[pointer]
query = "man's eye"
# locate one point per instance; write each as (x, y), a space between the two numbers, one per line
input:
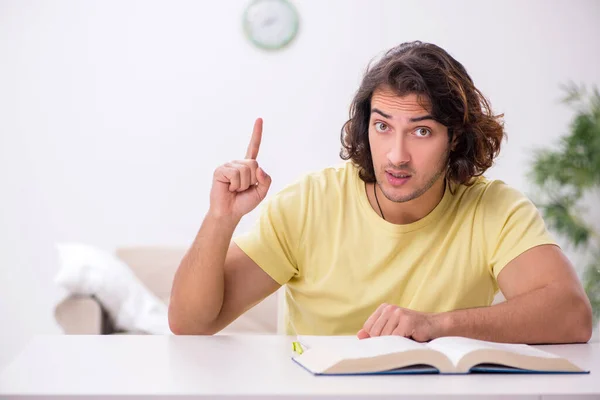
(380, 126)
(423, 132)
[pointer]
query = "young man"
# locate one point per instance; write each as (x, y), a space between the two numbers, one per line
(407, 238)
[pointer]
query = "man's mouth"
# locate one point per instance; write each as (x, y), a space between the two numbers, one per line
(397, 178)
(398, 174)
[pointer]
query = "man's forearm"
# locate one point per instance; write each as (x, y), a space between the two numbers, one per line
(546, 315)
(198, 286)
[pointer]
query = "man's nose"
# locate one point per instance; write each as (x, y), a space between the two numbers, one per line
(399, 153)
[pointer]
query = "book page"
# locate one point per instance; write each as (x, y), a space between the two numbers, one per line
(457, 347)
(308, 341)
(352, 347)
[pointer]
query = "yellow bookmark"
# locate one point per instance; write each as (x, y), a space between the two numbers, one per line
(297, 347)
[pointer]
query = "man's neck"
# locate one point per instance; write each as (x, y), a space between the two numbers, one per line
(410, 211)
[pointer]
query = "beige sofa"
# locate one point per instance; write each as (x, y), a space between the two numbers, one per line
(155, 267)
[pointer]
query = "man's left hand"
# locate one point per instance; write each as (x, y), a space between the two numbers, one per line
(389, 319)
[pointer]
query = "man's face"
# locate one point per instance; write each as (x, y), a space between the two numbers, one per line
(409, 149)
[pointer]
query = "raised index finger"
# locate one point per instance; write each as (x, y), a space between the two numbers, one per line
(254, 145)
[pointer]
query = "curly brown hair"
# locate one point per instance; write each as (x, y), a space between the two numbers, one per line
(444, 87)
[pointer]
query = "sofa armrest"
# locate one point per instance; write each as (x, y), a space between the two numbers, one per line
(79, 315)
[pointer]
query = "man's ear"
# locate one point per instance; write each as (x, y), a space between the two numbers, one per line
(453, 140)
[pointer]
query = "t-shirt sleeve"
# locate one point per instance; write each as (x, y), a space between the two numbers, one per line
(512, 225)
(274, 240)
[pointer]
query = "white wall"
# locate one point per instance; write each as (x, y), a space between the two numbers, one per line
(114, 114)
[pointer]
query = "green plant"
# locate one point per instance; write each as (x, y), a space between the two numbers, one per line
(564, 175)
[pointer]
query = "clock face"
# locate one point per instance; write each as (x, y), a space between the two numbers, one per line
(271, 24)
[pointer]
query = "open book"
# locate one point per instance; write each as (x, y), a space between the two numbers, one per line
(341, 355)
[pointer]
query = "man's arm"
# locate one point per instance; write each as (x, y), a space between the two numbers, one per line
(545, 303)
(215, 283)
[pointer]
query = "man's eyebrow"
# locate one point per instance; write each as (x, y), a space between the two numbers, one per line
(423, 118)
(378, 111)
(416, 119)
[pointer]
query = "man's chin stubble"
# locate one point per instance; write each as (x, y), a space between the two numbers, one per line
(403, 199)
(415, 194)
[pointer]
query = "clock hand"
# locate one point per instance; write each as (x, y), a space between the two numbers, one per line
(268, 21)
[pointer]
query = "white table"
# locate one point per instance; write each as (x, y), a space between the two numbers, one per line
(249, 367)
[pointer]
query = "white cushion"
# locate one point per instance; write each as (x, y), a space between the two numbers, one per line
(85, 270)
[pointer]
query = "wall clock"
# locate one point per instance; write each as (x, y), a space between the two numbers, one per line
(271, 24)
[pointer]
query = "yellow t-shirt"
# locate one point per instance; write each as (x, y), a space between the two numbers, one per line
(340, 260)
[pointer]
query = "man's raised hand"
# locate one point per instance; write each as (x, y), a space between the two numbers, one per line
(240, 185)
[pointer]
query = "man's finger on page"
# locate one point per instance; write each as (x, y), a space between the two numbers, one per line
(362, 334)
(254, 145)
(379, 325)
(374, 317)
